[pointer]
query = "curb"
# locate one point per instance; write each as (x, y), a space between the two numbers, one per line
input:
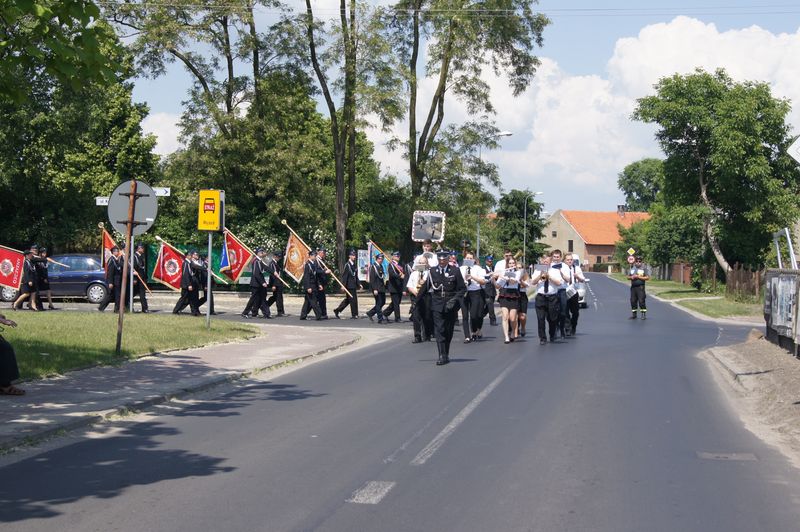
(10, 444)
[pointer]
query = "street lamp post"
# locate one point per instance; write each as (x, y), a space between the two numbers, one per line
(478, 233)
(525, 226)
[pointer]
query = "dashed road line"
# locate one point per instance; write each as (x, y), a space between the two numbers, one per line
(372, 492)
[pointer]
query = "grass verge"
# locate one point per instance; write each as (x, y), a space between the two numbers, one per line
(51, 343)
(721, 308)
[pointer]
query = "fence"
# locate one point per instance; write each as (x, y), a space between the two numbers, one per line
(741, 282)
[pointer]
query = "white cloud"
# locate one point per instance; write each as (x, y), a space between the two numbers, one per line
(165, 127)
(573, 134)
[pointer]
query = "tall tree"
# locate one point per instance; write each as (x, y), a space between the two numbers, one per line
(726, 144)
(641, 182)
(512, 223)
(460, 40)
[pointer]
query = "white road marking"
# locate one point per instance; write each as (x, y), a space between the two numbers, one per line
(372, 492)
(425, 454)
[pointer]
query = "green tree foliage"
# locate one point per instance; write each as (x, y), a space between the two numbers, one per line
(726, 144)
(641, 182)
(511, 223)
(636, 237)
(58, 150)
(60, 39)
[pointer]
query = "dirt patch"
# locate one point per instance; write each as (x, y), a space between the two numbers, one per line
(763, 382)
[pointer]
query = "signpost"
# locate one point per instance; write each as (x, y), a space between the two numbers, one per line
(132, 210)
(210, 218)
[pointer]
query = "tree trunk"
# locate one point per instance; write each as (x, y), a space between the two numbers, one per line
(712, 241)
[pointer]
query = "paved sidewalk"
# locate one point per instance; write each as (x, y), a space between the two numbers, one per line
(83, 397)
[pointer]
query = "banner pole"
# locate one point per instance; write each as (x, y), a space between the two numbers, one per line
(131, 212)
(130, 259)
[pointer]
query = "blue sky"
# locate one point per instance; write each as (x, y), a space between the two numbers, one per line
(571, 129)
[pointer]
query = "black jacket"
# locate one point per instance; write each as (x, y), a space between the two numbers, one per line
(114, 268)
(446, 288)
(350, 276)
(377, 278)
(257, 278)
(310, 276)
(396, 283)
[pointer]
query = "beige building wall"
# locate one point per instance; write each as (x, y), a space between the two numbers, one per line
(559, 234)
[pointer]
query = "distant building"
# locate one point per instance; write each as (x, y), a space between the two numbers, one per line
(592, 235)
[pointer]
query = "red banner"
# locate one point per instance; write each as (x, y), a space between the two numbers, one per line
(168, 267)
(235, 257)
(11, 262)
(295, 257)
(108, 243)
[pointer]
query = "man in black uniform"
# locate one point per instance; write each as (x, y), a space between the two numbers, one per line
(489, 290)
(190, 283)
(350, 281)
(30, 281)
(140, 267)
(258, 286)
(114, 279)
(276, 286)
(323, 278)
(310, 287)
(447, 287)
(43, 279)
(639, 273)
(397, 285)
(202, 277)
(377, 284)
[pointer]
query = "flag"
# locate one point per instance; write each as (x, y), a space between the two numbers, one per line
(235, 257)
(168, 266)
(374, 250)
(295, 257)
(108, 243)
(11, 262)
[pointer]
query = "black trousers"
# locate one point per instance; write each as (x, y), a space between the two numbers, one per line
(637, 298)
(489, 306)
(311, 303)
(322, 300)
(444, 323)
(475, 306)
(352, 301)
(277, 298)
(548, 309)
(562, 309)
(573, 310)
(113, 295)
(380, 301)
(190, 298)
(208, 297)
(9, 371)
(139, 290)
(394, 306)
(421, 318)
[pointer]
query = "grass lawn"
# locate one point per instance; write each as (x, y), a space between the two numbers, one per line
(668, 289)
(720, 308)
(50, 343)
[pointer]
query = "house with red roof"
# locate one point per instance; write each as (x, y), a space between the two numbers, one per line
(590, 234)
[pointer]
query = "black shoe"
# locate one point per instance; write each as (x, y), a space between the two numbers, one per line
(441, 361)
(354, 317)
(323, 317)
(398, 320)
(632, 317)
(522, 333)
(303, 318)
(644, 316)
(336, 314)
(370, 318)
(542, 341)
(282, 314)
(467, 340)
(506, 341)
(245, 316)
(416, 341)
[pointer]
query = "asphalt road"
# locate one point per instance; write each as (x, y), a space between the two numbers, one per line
(620, 429)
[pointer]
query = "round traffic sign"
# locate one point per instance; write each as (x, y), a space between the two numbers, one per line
(631, 260)
(144, 213)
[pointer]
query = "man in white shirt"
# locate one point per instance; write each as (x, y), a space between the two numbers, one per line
(556, 264)
(548, 280)
(474, 277)
(421, 316)
(575, 275)
(500, 267)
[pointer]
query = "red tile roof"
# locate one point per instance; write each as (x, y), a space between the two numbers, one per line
(600, 228)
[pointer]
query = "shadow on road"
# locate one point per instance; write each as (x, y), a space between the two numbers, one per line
(230, 404)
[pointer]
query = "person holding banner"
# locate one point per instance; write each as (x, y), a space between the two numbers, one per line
(323, 277)
(350, 281)
(277, 288)
(29, 286)
(446, 286)
(310, 287)
(140, 269)
(114, 279)
(396, 285)
(189, 284)
(258, 287)
(377, 283)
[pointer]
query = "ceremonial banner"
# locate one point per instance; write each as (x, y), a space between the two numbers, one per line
(235, 257)
(295, 257)
(374, 250)
(363, 264)
(168, 267)
(108, 243)
(11, 262)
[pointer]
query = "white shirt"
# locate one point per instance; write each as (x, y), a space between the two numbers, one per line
(475, 272)
(561, 274)
(512, 283)
(553, 274)
(433, 262)
(575, 274)
(413, 280)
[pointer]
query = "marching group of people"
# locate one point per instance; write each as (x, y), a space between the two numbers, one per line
(35, 281)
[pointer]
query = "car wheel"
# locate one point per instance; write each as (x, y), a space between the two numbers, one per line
(8, 294)
(96, 293)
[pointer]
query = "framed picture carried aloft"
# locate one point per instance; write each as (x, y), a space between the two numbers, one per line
(427, 225)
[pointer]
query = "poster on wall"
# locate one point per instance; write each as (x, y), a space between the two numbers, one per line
(427, 225)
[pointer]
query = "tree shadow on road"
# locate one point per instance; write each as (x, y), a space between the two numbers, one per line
(231, 404)
(100, 468)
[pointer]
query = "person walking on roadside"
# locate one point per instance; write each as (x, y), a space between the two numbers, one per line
(277, 286)
(140, 267)
(377, 283)
(507, 282)
(258, 286)
(475, 279)
(489, 290)
(350, 281)
(43, 279)
(446, 287)
(573, 302)
(323, 278)
(556, 264)
(639, 274)
(114, 280)
(189, 284)
(419, 304)
(29, 287)
(310, 287)
(9, 370)
(547, 304)
(396, 284)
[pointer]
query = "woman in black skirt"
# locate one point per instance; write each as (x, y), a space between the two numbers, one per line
(508, 287)
(9, 371)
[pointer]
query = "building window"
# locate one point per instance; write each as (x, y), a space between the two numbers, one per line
(555, 234)
(610, 259)
(569, 246)
(599, 259)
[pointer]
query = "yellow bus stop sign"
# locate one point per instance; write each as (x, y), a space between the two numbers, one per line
(210, 210)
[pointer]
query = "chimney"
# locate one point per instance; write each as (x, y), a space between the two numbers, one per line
(621, 210)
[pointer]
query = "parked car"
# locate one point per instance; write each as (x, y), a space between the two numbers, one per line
(83, 277)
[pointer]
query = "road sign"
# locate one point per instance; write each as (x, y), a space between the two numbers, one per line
(101, 201)
(794, 150)
(211, 210)
(145, 212)
(631, 260)
(631, 251)
(162, 191)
